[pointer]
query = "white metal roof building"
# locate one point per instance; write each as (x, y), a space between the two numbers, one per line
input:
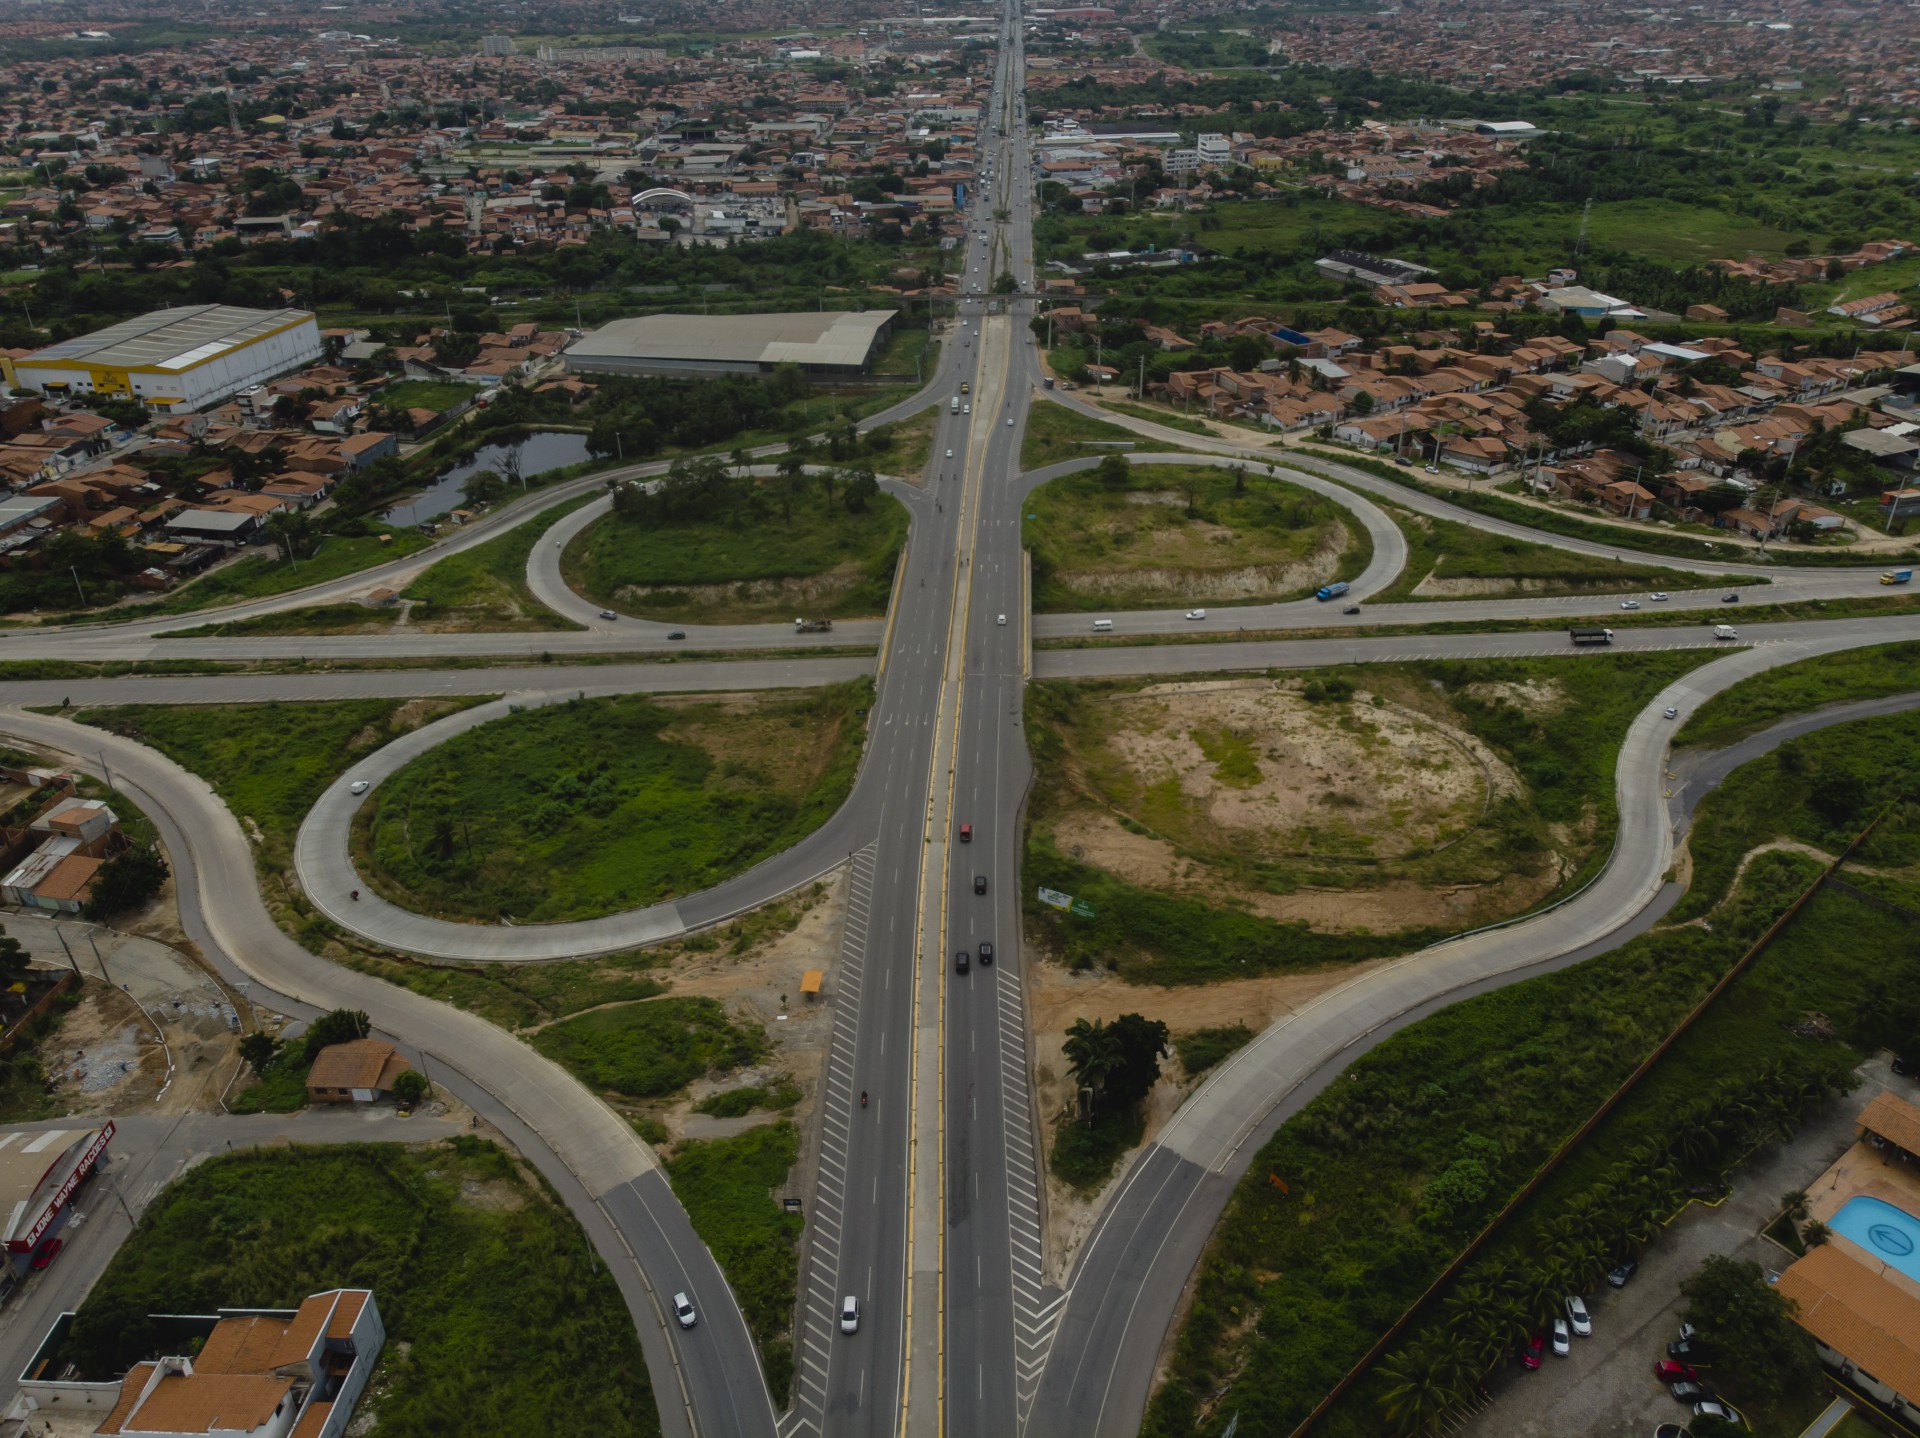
(175, 361)
(824, 345)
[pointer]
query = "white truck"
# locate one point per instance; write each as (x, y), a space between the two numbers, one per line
(812, 626)
(1725, 631)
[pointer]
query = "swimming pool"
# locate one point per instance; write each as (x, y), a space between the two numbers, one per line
(1888, 1233)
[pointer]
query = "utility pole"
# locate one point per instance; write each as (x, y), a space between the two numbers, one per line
(76, 584)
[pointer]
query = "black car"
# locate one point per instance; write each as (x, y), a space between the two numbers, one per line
(960, 962)
(979, 883)
(1351, 609)
(1729, 599)
(1688, 1351)
(678, 634)
(986, 953)
(1621, 1273)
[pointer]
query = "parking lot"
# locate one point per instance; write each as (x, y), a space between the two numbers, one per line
(1605, 1388)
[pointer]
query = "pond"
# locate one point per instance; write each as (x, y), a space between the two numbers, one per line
(544, 449)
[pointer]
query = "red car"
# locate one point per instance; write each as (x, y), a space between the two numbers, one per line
(1668, 1370)
(48, 1252)
(1530, 1355)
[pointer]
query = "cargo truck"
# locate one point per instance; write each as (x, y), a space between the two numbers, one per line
(1897, 576)
(812, 626)
(1591, 636)
(1332, 591)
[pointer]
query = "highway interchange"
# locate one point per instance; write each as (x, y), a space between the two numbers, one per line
(929, 1202)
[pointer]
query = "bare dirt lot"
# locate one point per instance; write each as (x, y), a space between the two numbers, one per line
(1366, 805)
(1056, 996)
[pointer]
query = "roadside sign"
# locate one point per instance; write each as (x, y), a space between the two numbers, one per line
(1056, 898)
(1082, 909)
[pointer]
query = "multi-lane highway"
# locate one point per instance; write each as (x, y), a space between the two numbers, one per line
(928, 1210)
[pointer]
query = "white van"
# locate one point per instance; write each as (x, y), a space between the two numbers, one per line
(1725, 631)
(1103, 626)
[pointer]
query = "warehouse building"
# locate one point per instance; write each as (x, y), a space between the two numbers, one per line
(174, 361)
(39, 1171)
(825, 346)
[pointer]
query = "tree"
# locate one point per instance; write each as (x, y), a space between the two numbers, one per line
(1140, 1044)
(1114, 472)
(126, 881)
(1005, 283)
(409, 1087)
(1744, 1319)
(336, 1026)
(1092, 1051)
(259, 1050)
(1361, 403)
(863, 486)
(13, 960)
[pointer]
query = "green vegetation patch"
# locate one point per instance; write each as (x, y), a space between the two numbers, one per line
(727, 550)
(485, 587)
(645, 1050)
(269, 762)
(261, 576)
(466, 1253)
(1440, 551)
(1054, 433)
(594, 806)
(739, 1102)
(1201, 1049)
(728, 1186)
(313, 619)
(1230, 827)
(1393, 1168)
(1122, 536)
(1753, 704)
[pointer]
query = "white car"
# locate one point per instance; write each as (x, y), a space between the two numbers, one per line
(1659, 596)
(683, 1310)
(1196, 614)
(949, 454)
(608, 614)
(1672, 713)
(1009, 424)
(1577, 1315)
(1002, 619)
(1629, 604)
(358, 786)
(849, 1314)
(1562, 1344)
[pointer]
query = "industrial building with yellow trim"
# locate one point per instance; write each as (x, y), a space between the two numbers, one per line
(173, 361)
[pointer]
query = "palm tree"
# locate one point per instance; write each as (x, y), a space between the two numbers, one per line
(1793, 1204)
(1423, 1380)
(1815, 1234)
(1092, 1051)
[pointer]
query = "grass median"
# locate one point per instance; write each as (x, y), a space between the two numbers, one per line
(1125, 536)
(468, 1253)
(1054, 433)
(591, 807)
(1450, 560)
(1753, 704)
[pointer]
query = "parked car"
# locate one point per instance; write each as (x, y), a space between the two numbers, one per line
(1621, 1273)
(1578, 1317)
(1669, 1371)
(683, 1310)
(1671, 1430)
(960, 961)
(986, 953)
(358, 786)
(1530, 1355)
(1714, 1408)
(1562, 1340)
(1689, 1351)
(849, 1314)
(1689, 1391)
